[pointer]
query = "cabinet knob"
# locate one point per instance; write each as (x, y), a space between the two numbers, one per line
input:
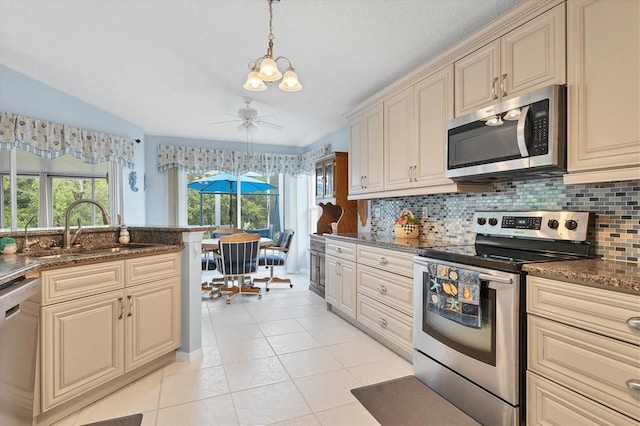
(634, 322)
(493, 88)
(382, 261)
(382, 289)
(338, 250)
(382, 322)
(130, 306)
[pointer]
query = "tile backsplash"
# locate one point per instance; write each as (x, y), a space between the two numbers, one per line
(615, 208)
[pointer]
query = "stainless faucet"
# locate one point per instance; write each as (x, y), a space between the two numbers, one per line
(67, 241)
(26, 246)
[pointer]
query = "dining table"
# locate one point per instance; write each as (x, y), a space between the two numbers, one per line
(210, 244)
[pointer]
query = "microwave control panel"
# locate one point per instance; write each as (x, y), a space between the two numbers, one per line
(540, 128)
(555, 225)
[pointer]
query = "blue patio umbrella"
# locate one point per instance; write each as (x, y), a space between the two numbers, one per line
(224, 183)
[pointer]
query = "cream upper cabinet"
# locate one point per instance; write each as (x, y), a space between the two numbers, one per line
(415, 133)
(365, 151)
(603, 38)
(399, 166)
(433, 106)
(528, 57)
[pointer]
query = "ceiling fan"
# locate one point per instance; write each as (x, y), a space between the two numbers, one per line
(249, 119)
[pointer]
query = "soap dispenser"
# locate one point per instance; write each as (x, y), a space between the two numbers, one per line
(124, 237)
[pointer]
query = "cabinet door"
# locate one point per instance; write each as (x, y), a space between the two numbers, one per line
(356, 154)
(329, 184)
(332, 294)
(398, 141)
(321, 273)
(604, 89)
(319, 181)
(374, 152)
(153, 321)
(82, 346)
(433, 106)
(313, 268)
(477, 79)
(533, 55)
(347, 288)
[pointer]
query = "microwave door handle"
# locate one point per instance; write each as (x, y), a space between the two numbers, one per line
(522, 141)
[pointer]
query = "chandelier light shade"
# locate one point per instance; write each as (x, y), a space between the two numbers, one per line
(264, 70)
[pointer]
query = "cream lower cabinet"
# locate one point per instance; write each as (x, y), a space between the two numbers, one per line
(87, 341)
(526, 58)
(583, 354)
(340, 269)
(603, 55)
(385, 295)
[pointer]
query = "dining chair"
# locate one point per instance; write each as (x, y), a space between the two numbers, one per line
(236, 259)
(276, 255)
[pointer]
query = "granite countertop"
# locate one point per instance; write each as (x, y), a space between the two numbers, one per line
(608, 274)
(389, 241)
(15, 265)
(618, 276)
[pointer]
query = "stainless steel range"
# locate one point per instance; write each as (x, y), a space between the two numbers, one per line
(469, 331)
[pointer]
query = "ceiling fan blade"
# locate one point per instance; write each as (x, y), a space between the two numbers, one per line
(225, 122)
(267, 124)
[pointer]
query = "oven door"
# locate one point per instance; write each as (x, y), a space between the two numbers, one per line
(485, 352)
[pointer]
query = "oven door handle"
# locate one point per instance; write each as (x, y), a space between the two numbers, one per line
(522, 138)
(487, 277)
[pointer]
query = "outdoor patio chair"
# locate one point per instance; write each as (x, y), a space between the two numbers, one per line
(276, 255)
(237, 257)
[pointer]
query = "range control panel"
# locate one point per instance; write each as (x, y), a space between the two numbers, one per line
(555, 225)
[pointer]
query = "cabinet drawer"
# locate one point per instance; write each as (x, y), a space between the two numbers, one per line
(340, 249)
(390, 289)
(59, 285)
(594, 309)
(549, 403)
(395, 261)
(389, 323)
(592, 365)
(144, 269)
(316, 244)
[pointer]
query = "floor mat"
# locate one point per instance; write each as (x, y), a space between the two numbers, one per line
(132, 420)
(408, 401)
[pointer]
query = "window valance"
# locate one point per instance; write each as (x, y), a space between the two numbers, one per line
(201, 160)
(52, 140)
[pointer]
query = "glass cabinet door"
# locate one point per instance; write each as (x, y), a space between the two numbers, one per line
(319, 181)
(328, 179)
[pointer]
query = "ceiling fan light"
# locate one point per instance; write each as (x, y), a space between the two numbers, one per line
(290, 82)
(254, 83)
(269, 70)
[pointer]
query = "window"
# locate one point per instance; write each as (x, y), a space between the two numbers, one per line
(46, 187)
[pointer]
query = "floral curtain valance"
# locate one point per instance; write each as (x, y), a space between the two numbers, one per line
(201, 160)
(52, 140)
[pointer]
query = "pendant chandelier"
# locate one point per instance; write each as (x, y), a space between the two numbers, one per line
(264, 70)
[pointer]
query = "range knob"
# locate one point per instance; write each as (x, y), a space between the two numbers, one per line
(553, 224)
(482, 221)
(571, 224)
(493, 221)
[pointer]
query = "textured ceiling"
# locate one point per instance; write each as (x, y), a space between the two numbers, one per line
(172, 67)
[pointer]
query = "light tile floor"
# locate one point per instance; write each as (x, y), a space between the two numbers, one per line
(283, 359)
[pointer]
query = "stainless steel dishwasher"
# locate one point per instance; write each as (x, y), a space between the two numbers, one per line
(19, 318)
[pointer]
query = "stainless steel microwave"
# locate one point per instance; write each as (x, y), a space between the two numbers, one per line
(521, 136)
